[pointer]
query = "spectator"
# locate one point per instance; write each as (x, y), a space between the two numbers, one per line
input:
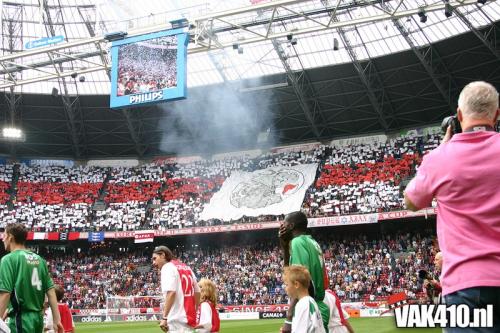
(468, 199)
(357, 266)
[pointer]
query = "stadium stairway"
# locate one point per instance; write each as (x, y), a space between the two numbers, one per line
(152, 205)
(99, 203)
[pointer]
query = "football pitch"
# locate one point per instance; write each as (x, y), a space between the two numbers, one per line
(360, 325)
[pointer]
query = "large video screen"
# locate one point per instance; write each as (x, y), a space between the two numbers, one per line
(148, 68)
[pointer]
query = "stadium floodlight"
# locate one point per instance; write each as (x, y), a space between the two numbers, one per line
(12, 134)
(117, 35)
(422, 15)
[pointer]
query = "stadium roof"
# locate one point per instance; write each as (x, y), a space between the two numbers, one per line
(391, 71)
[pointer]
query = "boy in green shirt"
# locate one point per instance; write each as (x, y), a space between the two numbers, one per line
(24, 281)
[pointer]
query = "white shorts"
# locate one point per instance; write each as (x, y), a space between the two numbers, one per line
(3, 327)
(338, 329)
(179, 328)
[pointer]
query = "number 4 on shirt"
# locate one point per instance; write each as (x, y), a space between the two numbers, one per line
(35, 280)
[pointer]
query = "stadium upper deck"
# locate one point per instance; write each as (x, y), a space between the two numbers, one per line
(351, 179)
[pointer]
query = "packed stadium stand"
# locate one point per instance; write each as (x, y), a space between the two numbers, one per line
(357, 89)
(361, 178)
(361, 267)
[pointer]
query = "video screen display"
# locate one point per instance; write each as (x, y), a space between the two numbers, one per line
(148, 68)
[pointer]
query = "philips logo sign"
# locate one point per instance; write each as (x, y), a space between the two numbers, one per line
(147, 97)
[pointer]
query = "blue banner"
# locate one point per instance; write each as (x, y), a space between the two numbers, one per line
(96, 236)
(43, 42)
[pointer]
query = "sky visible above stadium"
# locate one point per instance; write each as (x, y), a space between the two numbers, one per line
(25, 21)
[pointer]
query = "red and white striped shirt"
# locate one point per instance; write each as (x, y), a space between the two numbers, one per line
(338, 316)
(178, 277)
(208, 317)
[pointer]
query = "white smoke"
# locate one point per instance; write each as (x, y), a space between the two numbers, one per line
(216, 119)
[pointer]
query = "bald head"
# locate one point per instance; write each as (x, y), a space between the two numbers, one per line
(478, 100)
(438, 260)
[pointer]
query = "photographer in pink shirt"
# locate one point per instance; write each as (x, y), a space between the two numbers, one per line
(463, 174)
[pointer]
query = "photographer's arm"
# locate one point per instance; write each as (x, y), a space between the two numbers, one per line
(419, 192)
(421, 188)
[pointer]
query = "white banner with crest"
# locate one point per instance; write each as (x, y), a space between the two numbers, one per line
(271, 191)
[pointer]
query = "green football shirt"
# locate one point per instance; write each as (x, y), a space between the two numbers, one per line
(305, 251)
(25, 275)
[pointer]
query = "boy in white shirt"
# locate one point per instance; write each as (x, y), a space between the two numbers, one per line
(306, 317)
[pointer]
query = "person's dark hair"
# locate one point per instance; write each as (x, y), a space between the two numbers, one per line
(162, 249)
(18, 231)
(298, 219)
(59, 292)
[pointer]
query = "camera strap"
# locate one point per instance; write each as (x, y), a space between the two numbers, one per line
(479, 128)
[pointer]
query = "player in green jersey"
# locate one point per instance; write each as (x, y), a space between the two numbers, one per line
(24, 282)
(299, 248)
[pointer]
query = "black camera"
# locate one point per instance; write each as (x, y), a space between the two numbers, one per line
(455, 125)
(453, 122)
(423, 275)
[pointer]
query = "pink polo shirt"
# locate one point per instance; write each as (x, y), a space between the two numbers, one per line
(464, 176)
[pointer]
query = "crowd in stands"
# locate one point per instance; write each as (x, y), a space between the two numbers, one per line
(143, 173)
(49, 218)
(364, 270)
(57, 193)
(365, 178)
(5, 179)
(128, 193)
(183, 200)
(54, 198)
(132, 192)
(147, 66)
(359, 269)
(357, 178)
(126, 216)
(6, 173)
(87, 279)
(61, 174)
(53, 185)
